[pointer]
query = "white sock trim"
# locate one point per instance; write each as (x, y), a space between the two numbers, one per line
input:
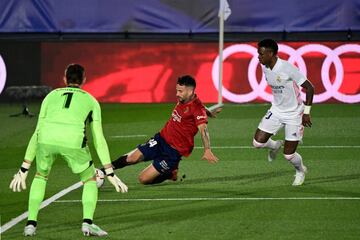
(257, 144)
(289, 157)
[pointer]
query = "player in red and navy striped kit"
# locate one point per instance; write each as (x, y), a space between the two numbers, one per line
(176, 139)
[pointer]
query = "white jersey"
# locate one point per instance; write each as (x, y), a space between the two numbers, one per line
(284, 80)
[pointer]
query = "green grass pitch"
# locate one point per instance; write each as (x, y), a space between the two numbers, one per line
(242, 197)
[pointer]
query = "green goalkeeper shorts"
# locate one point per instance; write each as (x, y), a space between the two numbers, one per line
(77, 159)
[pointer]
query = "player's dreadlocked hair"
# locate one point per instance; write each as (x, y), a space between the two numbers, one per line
(74, 73)
(187, 81)
(269, 43)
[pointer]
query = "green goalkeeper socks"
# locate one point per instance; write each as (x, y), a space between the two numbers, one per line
(37, 193)
(89, 199)
(36, 196)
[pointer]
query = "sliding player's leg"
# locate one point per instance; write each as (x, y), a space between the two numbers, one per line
(165, 166)
(150, 175)
(131, 158)
(165, 160)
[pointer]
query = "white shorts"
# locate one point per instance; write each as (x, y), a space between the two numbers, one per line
(273, 121)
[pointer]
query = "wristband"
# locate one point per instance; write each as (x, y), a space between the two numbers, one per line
(307, 109)
(25, 166)
(109, 171)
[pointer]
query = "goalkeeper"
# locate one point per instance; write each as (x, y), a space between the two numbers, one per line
(60, 132)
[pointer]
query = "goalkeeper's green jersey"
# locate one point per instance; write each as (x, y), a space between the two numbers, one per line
(62, 122)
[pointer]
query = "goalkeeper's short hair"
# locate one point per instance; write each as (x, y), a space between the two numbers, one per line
(75, 73)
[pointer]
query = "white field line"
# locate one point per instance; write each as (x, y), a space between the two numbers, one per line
(62, 193)
(128, 136)
(300, 146)
(54, 198)
(45, 203)
(215, 199)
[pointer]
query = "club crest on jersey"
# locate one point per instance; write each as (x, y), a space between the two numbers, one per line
(186, 110)
(176, 116)
(278, 78)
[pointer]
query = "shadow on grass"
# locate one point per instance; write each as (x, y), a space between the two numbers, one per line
(119, 219)
(315, 185)
(167, 214)
(328, 179)
(240, 179)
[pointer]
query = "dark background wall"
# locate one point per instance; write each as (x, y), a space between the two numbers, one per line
(22, 61)
(177, 16)
(27, 25)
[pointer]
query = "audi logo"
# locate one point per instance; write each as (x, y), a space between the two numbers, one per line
(2, 74)
(258, 87)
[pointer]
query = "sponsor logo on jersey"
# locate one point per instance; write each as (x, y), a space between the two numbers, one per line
(200, 117)
(176, 116)
(277, 89)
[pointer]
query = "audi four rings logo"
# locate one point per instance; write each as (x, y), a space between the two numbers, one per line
(2, 74)
(258, 88)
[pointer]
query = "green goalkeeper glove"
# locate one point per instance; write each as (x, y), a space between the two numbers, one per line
(19, 180)
(114, 180)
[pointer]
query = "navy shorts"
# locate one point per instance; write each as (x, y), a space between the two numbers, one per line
(165, 158)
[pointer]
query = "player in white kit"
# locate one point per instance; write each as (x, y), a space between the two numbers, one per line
(287, 109)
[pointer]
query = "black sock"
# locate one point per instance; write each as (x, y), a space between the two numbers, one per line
(86, 220)
(161, 178)
(120, 162)
(31, 222)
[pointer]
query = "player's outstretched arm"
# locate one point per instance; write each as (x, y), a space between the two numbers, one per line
(205, 137)
(103, 151)
(104, 156)
(18, 182)
(309, 89)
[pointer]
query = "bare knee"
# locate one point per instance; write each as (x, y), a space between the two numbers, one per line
(135, 156)
(144, 180)
(131, 159)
